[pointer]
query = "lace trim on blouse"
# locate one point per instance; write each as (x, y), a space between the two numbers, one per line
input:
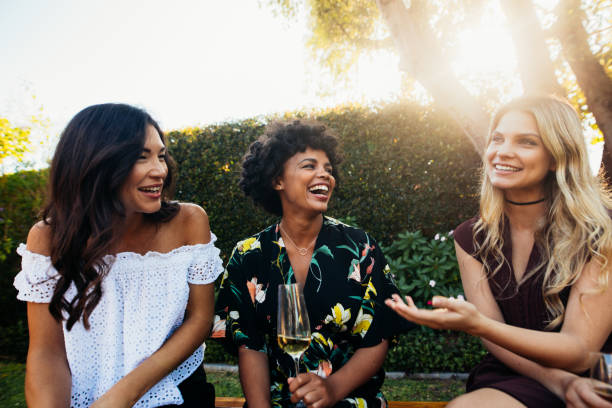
(37, 279)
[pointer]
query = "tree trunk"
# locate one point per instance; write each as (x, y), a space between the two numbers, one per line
(421, 58)
(590, 74)
(535, 67)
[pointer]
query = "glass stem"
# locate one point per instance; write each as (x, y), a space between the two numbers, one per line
(297, 365)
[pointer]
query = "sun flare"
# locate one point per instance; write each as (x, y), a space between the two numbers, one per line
(484, 50)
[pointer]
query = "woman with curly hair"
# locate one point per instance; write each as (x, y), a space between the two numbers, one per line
(291, 171)
(535, 263)
(117, 278)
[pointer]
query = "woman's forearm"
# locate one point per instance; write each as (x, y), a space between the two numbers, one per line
(47, 380)
(550, 349)
(254, 377)
(360, 368)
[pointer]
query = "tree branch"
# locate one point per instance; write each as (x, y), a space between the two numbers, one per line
(422, 59)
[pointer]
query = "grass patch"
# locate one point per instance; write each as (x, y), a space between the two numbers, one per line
(228, 385)
(407, 389)
(11, 385)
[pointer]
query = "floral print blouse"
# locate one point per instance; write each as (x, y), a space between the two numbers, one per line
(345, 289)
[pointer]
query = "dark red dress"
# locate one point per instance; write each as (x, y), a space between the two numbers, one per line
(522, 308)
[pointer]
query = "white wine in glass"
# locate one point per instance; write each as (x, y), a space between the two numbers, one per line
(294, 346)
(292, 324)
(601, 375)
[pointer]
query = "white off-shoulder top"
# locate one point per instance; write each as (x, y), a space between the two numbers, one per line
(143, 303)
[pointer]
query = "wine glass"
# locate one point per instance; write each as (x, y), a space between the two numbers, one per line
(601, 375)
(292, 324)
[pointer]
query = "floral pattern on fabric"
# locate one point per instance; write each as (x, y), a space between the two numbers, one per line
(345, 289)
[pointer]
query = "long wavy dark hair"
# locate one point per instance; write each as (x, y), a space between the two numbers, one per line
(93, 158)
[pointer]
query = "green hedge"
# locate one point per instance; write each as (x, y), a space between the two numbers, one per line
(21, 197)
(406, 167)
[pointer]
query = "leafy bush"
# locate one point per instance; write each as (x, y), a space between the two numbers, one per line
(14, 341)
(21, 197)
(423, 268)
(216, 353)
(395, 175)
(424, 350)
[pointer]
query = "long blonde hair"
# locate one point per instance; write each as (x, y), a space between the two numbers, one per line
(577, 227)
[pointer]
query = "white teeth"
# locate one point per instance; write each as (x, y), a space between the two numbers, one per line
(320, 187)
(505, 168)
(150, 189)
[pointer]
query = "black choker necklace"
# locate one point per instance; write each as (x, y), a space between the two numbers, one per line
(526, 203)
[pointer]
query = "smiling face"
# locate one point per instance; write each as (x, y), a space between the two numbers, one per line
(141, 191)
(306, 184)
(517, 161)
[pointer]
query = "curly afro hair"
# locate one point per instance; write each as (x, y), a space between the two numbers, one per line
(266, 156)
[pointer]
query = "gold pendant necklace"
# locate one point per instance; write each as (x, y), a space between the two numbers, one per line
(301, 251)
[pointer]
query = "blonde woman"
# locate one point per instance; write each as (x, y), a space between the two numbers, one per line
(534, 264)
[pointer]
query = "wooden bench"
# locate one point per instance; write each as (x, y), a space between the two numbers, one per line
(227, 402)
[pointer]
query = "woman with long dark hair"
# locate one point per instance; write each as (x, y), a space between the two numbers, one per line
(535, 263)
(118, 279)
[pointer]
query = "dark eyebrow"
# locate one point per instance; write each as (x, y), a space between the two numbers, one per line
(312, 160)
(145, 150)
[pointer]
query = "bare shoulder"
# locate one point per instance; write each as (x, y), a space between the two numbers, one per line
(465, 259)
(591, 280)
(39, 239)
(193, 223)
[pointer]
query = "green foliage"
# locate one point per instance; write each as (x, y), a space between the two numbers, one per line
(14, 141)
(21, 196)
(216, 353)
(14, 341)
(12, 377)
(399, 159)
(424, 350)
(226, 384)
(408, 389)
(424, 267)
(341, 30)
